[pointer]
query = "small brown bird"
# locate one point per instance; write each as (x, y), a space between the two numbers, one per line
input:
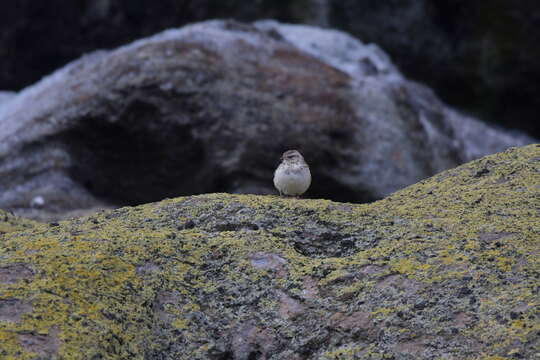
(292, 177)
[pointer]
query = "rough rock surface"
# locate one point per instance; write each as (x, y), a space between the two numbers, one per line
(11, 223)
(210, 107)
(445, 269)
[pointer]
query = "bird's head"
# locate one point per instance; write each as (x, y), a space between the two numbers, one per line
(292, 155)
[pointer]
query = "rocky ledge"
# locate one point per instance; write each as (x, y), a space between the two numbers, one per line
(210, 108)
(445, 269)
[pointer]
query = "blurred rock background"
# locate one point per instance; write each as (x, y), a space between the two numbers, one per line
(210, 109)
(482, 57)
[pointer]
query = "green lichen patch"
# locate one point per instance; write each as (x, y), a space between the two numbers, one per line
(447, 268)
(11, 223)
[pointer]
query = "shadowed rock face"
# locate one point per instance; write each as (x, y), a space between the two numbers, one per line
(447, 268)
(210, 107)
(479, 56)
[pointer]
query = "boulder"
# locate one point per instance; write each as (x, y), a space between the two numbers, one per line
(5, 96)
(11, 223)
(479, 56)
(38, 38)
(210, 107)
(445, 269)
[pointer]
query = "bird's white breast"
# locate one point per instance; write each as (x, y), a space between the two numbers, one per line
(292, 180)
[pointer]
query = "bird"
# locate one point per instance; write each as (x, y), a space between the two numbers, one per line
(292, 177)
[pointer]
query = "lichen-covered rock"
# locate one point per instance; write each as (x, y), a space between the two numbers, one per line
(211, 106)
(11, 223)
(447, 268)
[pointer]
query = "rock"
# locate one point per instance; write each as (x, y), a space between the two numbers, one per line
(6, 96)
(479, 56)
(476, 55)
(210, 107)
(446, 268)
(10, 223)
(38, 38)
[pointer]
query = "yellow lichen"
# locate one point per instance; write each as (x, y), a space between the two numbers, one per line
(99, 282)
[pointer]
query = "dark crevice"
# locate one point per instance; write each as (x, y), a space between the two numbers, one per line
(255, 355)
(326, 187)
(226, 355)
(123, 164)
(330, 243)
(235, 227)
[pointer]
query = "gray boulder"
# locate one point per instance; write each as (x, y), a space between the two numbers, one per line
(478, 55)
(211, 106)
(5, 96)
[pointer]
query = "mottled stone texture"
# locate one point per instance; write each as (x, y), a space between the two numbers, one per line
(445, 269)
(210, 108)
(10, 223)
(37, 38)
(481, 56)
